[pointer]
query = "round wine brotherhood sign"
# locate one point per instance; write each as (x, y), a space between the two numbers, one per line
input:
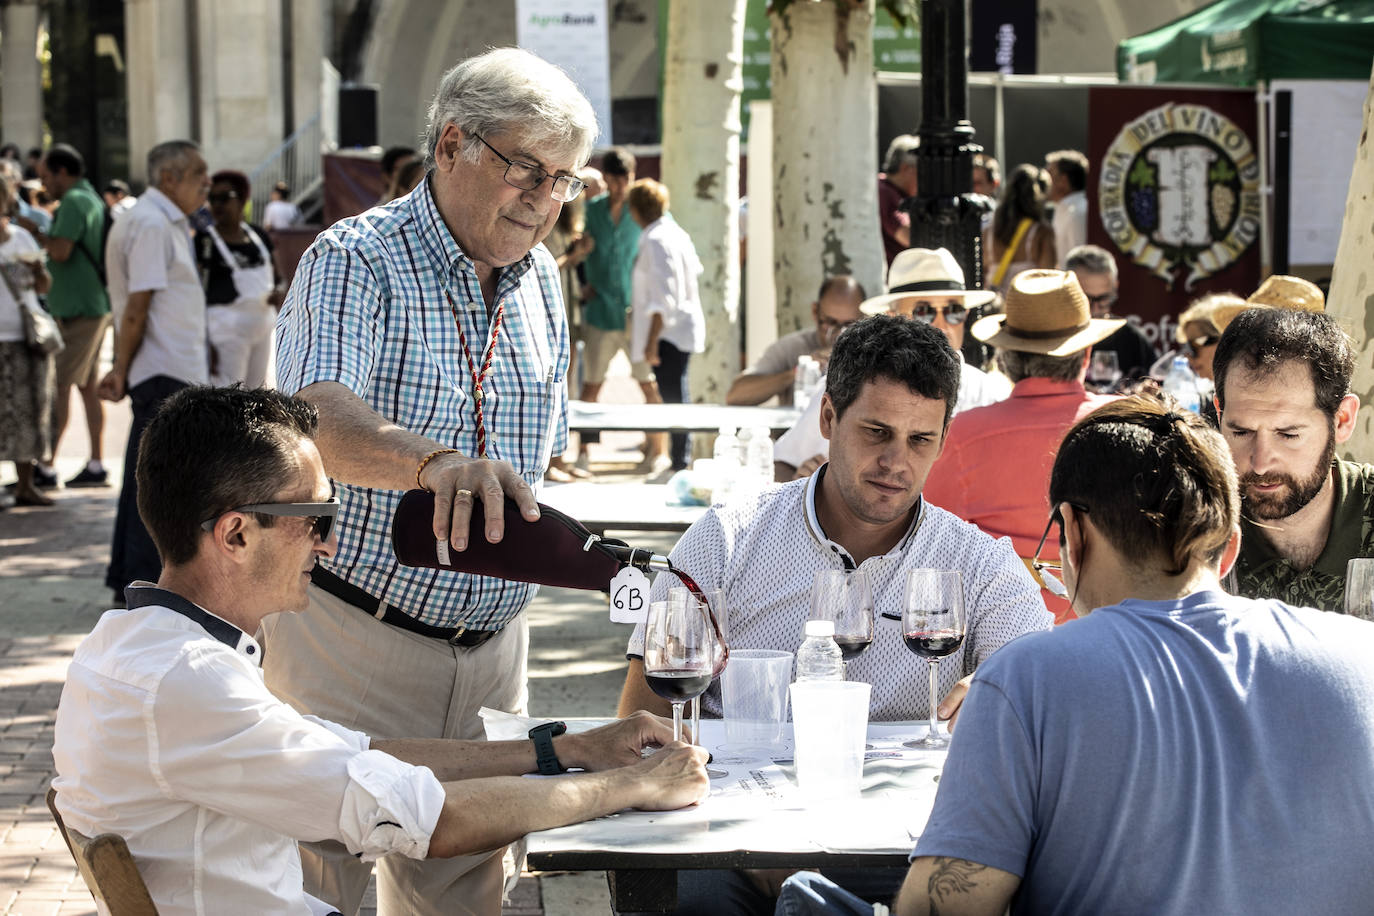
(1179, 191)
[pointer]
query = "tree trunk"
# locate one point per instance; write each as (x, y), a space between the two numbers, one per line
(701, 127)
(1351, 300)
(825, 152)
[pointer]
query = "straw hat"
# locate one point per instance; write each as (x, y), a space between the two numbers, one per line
(925, 270)
(1277, 292)
(1046, 312)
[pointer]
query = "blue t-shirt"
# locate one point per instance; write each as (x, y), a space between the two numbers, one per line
(1209, 755)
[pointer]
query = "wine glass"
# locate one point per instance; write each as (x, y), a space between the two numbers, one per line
(1359, 588)
(845, 597)
(712, 604)
(680, 653)
(1105, 370)
(933, 626)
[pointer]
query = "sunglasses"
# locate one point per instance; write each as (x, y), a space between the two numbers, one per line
(1192, 345)
(320, 515)
(1104, 299)
(1048, 573)
(925, 313)
(223, 197)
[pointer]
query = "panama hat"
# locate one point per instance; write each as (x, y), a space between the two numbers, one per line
(925, 270)
(1277, 292)
(1046, 312)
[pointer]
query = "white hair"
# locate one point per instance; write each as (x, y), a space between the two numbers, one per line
(509, 88)
(169, 156)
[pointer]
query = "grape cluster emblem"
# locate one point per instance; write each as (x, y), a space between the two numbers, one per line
(1179, 192)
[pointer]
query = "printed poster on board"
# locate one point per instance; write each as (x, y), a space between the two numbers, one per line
(1174, 194)
(575, 35)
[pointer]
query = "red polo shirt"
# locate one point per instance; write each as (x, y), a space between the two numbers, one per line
(995, 470)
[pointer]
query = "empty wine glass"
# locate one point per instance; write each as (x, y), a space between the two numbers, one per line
(680, 653)
(1359, 588)
(933, 626)
(845, 597)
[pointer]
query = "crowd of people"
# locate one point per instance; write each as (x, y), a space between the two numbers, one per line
(1147, 586)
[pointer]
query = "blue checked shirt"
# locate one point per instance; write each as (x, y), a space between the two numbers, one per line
(367, 310)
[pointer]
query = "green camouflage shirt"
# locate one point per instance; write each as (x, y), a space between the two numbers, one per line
(1261, 573)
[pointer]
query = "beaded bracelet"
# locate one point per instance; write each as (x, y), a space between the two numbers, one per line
(427, 459)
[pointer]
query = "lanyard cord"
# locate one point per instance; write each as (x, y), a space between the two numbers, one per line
(478, 377)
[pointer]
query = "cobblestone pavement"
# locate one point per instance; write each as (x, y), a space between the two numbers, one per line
(52, 567)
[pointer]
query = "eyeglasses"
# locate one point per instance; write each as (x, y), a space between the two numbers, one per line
(527, 177)
(1193, 344)
(829, 327)
(320, 515)
(223, 197)
(924, 312)
(1104, 299)
(1049, 580)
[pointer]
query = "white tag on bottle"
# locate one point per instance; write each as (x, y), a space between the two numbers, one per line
(629, 596)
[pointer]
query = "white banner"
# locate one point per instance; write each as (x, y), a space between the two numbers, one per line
(575, 35)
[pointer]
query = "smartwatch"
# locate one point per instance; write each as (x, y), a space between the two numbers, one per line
(542, 736)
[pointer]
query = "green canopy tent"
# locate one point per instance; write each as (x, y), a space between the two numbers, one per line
(1243, 42)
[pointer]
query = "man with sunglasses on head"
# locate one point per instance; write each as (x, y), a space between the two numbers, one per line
(432, 336)
(1096, 271)
(997, 458)
(167, 736)
(925, 285)
(836, 308)
(1179, 750)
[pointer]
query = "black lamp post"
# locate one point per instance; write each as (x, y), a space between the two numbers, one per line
(945, 213)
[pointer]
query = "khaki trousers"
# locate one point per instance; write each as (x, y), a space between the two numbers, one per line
(336, 662)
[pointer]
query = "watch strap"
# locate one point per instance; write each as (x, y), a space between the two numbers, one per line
(545, 756)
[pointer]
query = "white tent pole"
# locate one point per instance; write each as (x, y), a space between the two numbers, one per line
(1266, 184)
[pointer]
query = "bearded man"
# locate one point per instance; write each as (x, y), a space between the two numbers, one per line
(1283, 398)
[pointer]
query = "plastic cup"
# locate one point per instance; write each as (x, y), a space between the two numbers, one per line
(829, 723)
(754, 699)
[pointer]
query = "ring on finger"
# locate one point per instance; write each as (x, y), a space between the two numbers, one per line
(458, 494)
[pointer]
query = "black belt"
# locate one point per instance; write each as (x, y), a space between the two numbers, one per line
(390, 614)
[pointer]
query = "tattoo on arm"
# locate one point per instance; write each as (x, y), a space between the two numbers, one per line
(950, 877)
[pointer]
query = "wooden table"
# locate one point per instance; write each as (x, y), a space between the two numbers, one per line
(584, 416)
(606, 507)
(755, 819)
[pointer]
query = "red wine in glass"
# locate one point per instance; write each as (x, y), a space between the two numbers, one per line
(678, 686)
(933, 627)
(933, 644)
(851, 647)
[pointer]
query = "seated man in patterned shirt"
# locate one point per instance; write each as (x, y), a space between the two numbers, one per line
(889, 396)
(1283, 397)
(167, 735)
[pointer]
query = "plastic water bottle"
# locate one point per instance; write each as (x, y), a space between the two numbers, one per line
(726, 456)
(759, 456)
(1181, 384)
(819, 657)
(807, 379)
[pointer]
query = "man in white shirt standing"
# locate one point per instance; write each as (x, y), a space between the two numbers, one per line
(1068, 170)
(167, 735)
(159, 320)
(926, 285)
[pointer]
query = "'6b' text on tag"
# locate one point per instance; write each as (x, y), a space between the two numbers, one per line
(629, 596)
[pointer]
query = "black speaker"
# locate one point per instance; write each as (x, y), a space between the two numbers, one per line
(357, 116)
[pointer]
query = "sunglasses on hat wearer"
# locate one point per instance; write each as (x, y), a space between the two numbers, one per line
(1192, 345)
(925, 312)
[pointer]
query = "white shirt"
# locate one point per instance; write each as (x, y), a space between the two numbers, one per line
(1070, 225)
(766, 549)
(804, 440)
(664, 282)
(280, 214)
(11, 323)
(150, 249)
(167, 736)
